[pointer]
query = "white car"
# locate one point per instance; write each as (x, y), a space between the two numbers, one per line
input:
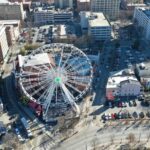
(29, 133)
(109, 116)
(106, 116)
(20, 138)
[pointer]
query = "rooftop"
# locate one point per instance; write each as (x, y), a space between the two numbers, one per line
(37, 59)
(97, 19)
(113, 82)
(9, 22)
(143, 69)
(51, 9)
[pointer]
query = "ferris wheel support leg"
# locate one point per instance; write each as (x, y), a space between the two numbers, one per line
(76, 109)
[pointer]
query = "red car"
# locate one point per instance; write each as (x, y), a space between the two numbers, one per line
(113, 116)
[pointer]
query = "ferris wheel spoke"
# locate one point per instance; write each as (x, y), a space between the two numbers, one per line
(74, 88)
(56, 96)
(61, 56)
(71, 63)
(36, 84)
(70, 97)
(77, 83)
(41, 88)
(39, 69)
(26, 80)
(85, 79)
(29, 73)
(66, 61)
(45, 67)
(82, 71)
(48, 98)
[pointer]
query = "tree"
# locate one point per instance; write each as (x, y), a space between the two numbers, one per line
(94, 143)
(136, 44)
(112, 139)
(31, 46)
(22, 51)
(131, 138)
(24, 100)
(11, 141)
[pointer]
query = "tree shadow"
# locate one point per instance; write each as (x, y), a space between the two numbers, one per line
(99, 111)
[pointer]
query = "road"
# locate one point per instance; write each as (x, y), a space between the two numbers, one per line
(104, 68)
(103, 136)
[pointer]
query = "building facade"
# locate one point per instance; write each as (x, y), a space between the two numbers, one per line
(52, 16)
(83, 5)
(123, 86)
(3, 43)
(110, 8)
(97, 25)
(142, 19)
(11, 11)
(12, 30)
(63, 3)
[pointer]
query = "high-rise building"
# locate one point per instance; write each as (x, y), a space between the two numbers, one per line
(64, 3)
(11, 11)
(142, 20)
(3, 43)
(110, 8)
(97, 25)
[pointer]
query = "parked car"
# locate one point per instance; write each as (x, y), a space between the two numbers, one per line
(20, 138)
(120, 104)
(119, 115)
(110, 104)
(106, 116)
(124, 104)
(148, 114)
(134, 103)
(129, 115)
(141, 115)
(109, 116)
(130, 103)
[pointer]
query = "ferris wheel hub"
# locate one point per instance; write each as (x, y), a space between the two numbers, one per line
(57, 80)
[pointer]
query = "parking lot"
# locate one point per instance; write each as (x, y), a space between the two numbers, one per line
(127, 110)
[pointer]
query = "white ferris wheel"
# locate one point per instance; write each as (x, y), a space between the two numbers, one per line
(59, 78)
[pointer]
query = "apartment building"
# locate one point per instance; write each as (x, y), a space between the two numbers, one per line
(97, 25)
(110, 8)
(12, 30)
(122, 83)
(3, 43)
(142, 19)
(11, 11)
(51, 16)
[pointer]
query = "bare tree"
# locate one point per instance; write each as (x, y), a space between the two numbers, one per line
(10, 140)
(131, 138)
(112, 139)
(148, 137)
(94, 143)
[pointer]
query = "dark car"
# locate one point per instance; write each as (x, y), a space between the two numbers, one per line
(120, 104)
(148, 114)
(130, 103)
(145, 103)
(129, 115)
(134, 103)
(141, 115)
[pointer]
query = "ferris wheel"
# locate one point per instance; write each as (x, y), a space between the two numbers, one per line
(56, 75)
